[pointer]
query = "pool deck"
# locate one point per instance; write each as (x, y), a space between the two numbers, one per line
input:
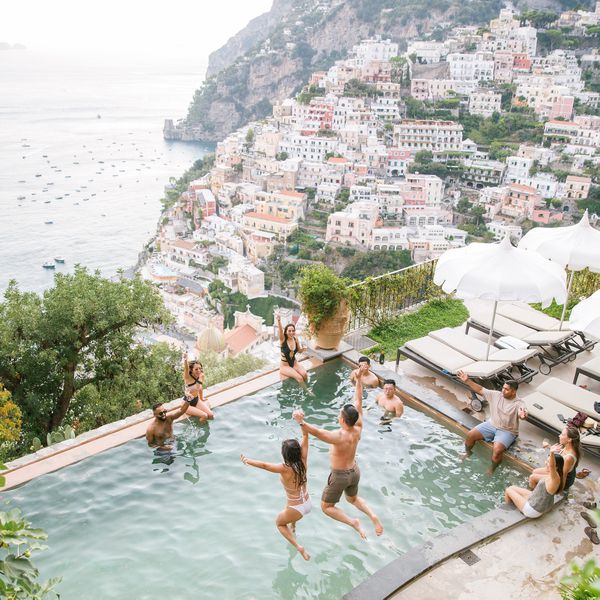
(66, 453)
(527, 561)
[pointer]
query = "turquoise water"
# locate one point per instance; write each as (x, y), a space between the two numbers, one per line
(123, 525)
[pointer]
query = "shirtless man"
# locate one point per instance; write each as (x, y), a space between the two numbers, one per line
(368, 378)
(344, 476)
(391, 404)
(160, 430)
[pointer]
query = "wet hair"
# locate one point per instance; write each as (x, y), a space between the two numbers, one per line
(511, 383)
(349, 414)
(575, 439)
(155, 406)
(192, 365)
(364, 359)
(285, 330)
(292, 457)
(390, 381)
(560, 463)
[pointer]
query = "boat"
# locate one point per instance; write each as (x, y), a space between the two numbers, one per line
(48, 222)
(49, 265)
(59, 259)
(20, 197)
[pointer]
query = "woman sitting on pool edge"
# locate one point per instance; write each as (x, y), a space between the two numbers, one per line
(193, 378)
(293, 476)
(290, 348)
(541, 500)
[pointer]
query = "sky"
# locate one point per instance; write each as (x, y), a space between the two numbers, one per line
(165, 28)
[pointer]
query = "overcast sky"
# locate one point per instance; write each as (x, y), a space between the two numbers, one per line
(148, 27)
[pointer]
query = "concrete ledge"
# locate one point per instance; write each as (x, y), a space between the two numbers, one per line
(325, 355)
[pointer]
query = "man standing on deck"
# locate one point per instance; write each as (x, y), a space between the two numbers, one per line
(160, 430)
(502, 428)
(344, 476)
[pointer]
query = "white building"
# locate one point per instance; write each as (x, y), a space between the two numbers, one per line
(484, 103)
(500, 229)
(389, 238)
(478, 66)
(436, 136)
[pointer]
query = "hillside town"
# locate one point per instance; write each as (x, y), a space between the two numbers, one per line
(471, 134)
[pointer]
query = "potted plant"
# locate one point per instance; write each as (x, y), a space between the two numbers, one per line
(324, 298)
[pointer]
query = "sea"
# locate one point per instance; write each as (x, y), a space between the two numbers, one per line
(83, 164)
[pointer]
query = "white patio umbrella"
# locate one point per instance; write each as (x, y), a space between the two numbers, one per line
(586, 316)
(575, 248)
(500, 272)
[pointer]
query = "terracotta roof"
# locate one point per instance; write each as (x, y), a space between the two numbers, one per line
(240, 338)
(523, 188)
(336, 160)
(265, 217)
(184, 244)
(292, 194)
(579, 178)
(556, 122)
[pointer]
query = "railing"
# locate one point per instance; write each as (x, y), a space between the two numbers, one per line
(379, 298)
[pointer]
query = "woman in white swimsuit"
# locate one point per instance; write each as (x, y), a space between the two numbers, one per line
(293, 473)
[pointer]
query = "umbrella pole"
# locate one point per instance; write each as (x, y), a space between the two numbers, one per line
(562, 316)
(489, 341)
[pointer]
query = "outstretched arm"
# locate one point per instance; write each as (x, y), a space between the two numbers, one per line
(329, 437)
(186, 367)
(280, 329)
(304, 446)
(358, 399)
(181, 410)
(478, 389)
(271, 467)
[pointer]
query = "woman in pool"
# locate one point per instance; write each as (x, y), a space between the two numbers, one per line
(290, 348)
(193, 378)
(541, 500)
(568, 448)
(293, 476)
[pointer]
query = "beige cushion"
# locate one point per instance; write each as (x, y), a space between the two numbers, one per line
(504, 326)
(465, 344)
(570, 395)
(515, 355)
(592, 366)
(524, 314)
(542, 338)
(485, 368)
(439, 354)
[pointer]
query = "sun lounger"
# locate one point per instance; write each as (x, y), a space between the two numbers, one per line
(476, 349)
(545, 412)
(446, 361)
(590, 369)
(524, 314)
(571, 395)
(554, 346)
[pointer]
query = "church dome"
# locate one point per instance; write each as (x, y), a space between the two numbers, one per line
(211, 340)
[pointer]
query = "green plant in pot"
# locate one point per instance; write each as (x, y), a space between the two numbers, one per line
(324, 298)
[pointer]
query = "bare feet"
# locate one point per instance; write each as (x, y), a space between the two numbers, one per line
(465, 455)
(356, 525)
(304, 553)
(378, 526)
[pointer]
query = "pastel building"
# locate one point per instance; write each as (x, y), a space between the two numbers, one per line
(353, 225)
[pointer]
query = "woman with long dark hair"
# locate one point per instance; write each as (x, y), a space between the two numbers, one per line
(569, 448)
(193, 379)
(541, 500)
(293, 476)
(290, 348)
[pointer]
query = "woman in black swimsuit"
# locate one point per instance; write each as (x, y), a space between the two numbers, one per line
(290, 348)
(193, 378)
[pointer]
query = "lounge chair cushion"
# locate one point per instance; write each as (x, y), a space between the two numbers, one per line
(515, 355)
(544, 338)
(484, 369)
(570, 395)
(463, 343)
(524, 314)
(504, 326)
(592, 366)
(549, 412)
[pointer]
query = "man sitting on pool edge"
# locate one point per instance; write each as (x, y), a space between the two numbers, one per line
(502, 428)
(368, 378)
(391, 404)
(160, 430)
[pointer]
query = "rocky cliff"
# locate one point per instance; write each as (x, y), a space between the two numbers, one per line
(273, 57)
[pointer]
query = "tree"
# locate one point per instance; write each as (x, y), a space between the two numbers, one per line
(80, 332)
(10, 422)
(376, 262)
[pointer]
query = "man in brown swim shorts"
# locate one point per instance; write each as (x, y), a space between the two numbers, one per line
(344, 476)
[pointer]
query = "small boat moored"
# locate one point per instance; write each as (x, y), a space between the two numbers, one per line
(59, 259)
(49, 265)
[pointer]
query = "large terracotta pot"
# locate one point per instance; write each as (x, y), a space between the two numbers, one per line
(332, 330)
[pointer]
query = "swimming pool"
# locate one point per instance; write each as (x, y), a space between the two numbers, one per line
(124, 525)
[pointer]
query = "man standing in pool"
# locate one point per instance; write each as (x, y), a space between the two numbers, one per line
(160, 430)
(345, 475)
(502, 428)
(391, 404)
(364, 372)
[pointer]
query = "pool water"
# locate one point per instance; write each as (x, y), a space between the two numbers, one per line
(125, 525)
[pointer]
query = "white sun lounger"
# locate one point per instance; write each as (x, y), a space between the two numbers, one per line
(571, 395)
(554, 346)
(544, 411)
(476, 349)
(590, 369)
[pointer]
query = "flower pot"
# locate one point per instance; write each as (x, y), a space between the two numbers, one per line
(332, 330)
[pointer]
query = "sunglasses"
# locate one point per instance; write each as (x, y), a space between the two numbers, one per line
(162, 412)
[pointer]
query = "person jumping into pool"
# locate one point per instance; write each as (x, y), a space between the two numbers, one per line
(160, 431)
(290, 348)
(368, 378)
(502, 428)
(391, 404)
(193, 378)
(293, 476)
(345, 475)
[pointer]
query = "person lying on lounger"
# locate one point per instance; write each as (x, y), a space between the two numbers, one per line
(293, 474)
(363, 371)
(391, 404)
(159, 434)
(502, 428)
(541, 500)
